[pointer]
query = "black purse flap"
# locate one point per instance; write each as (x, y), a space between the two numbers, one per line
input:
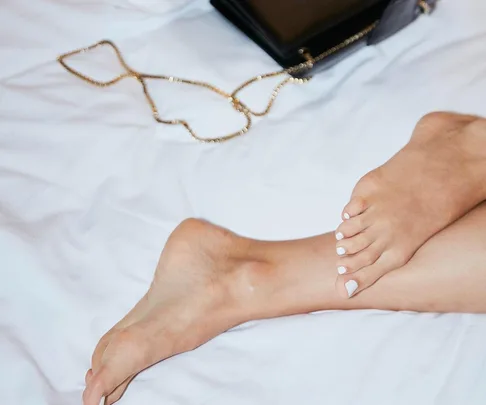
(284, 27)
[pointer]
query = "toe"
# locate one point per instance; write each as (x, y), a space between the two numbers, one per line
(356, 206)
(352, 227)
(87, 377)
(349, 285)
(353, 263)
(127, 352)
(118, 393)
(355, 244)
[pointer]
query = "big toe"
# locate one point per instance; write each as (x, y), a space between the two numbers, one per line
(128, 352)
(118, 392)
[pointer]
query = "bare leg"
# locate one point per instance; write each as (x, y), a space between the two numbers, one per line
(209, 280)
(434, 180)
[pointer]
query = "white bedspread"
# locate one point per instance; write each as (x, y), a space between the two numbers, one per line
(91, 186)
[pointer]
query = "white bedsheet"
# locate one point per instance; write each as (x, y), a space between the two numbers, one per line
(90, 188)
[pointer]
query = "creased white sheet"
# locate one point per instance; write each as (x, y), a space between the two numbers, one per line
(90, 188)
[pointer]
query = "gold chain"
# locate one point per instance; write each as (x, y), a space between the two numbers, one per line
(232, 98)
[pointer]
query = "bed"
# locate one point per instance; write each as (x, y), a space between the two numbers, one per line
(91, 187)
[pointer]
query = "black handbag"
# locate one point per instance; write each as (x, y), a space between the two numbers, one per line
(320, 32)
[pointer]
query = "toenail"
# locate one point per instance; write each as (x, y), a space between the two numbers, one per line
(342, 270)
(351, 287)
(339, 236)
(346, 216)
(341, 251)
(102, 402)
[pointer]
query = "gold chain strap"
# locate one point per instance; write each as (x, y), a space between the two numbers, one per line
(235, 102)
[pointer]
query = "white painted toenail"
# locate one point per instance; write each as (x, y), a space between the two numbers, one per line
(346, 216)
(339, 236)
(102, 402)
(342, 270)
(351, 287)
(341, 251)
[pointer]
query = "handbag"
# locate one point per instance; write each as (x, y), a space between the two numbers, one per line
(321, 32)
(303, 36)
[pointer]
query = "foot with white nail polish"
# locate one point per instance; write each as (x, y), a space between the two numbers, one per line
(434, 180)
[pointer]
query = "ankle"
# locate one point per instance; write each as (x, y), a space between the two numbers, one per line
(246, 279)
(238, 266)
(285, 278)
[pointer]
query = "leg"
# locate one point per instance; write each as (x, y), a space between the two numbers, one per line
(209, 280)
(433, 181)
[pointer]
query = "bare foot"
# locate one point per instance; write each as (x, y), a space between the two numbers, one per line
(437, 178)
(190, 301)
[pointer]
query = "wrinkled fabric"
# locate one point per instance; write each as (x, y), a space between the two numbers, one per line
(91, 187)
